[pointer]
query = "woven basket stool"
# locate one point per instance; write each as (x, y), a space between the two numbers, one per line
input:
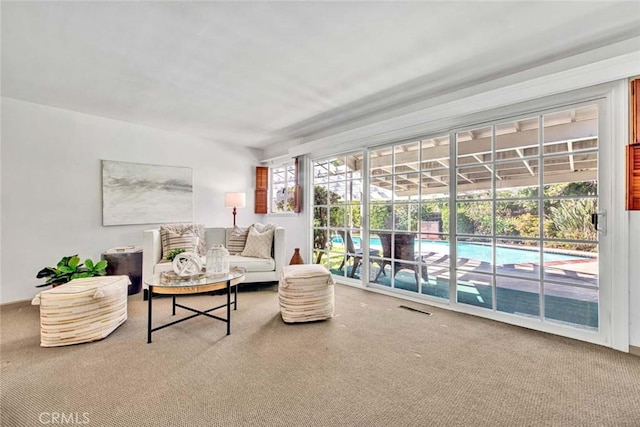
(306, 293)
(82, 310)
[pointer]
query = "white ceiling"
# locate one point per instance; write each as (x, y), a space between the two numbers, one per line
(257, 73)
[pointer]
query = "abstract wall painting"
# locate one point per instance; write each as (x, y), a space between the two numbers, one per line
(136, 193)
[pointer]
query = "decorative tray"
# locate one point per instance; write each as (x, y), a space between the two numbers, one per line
(171, 277)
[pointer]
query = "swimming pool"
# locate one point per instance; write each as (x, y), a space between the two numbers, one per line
(480, 252)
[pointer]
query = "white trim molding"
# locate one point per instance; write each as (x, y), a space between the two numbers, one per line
(592, 68)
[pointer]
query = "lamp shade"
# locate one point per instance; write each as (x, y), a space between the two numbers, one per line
(235, 200)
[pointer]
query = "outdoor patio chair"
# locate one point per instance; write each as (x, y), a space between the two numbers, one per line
(354, 253)
(404, 249)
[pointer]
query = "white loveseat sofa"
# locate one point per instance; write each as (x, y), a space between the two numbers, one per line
(257, 269)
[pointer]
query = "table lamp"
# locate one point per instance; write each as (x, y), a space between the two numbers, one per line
(234, 200)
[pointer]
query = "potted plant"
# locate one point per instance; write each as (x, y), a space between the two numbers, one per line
(69, 268)
(173, 252)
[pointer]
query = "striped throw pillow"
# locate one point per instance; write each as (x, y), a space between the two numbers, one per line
(190, 237)
(236, 239)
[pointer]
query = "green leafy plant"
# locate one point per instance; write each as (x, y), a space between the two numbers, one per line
(69, 268)
(173, 252)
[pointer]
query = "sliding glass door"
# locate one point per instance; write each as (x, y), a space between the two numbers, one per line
(500, 218)
(409, 216)
(526, 205)
(337, 212)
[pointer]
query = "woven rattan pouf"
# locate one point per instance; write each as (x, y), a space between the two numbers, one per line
(82, 310)
(306, 293)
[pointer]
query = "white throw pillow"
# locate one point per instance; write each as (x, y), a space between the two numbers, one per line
(258, 243)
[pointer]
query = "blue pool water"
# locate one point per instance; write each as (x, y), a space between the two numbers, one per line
(480, 252)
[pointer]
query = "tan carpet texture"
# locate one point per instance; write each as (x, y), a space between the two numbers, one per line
(372, 364)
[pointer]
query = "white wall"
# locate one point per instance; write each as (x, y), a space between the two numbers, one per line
(52, 191)
(296, 233)
(634, 278)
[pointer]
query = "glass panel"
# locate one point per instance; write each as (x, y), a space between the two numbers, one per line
(433, 217)
(406, 217)
(400, 247)
(563, 178)
(571, 130)
(380, 216)
(375, 244)
(353, 216)
(518, 139)
(337, 169)
(514, 177)
(380, 271)
(406, 274)
(320, 173)
(320, 257)
(336, 263)
(434, 182)
(518, 296)
(291, 173)
(475, 181)
(434, 254)
(406, 157)
(474, 255)
(336, 216)
(570, 219)
(573, 264)
(381, 161)
(437, 209)
(320, 217)
(354, 191)
(320, 194)
(406, 185)
(321, 239)
(518, 218)
(435, 153)
(337, 238)
(356, 238)
(275, 201)
(354, 166)
(337, 192)
(571, 305)
(474, 145)
(475, 289)
(437, 287)
(434, 250)
(518, 258)
(381, 188)
(474, 218)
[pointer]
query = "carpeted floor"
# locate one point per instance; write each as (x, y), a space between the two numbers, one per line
(373, 364)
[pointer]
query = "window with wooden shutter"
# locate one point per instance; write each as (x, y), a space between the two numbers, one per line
(262, 190)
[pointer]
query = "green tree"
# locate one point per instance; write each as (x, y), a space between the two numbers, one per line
(380, 214)
(571, 219)
(322, 198)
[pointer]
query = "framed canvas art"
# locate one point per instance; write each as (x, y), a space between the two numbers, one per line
(137, 193)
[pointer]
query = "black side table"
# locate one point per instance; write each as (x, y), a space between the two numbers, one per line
(126, 262)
